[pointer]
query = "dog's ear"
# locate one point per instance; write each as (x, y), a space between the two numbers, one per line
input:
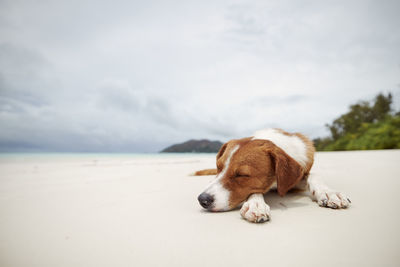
(222, 150)
(287, 171)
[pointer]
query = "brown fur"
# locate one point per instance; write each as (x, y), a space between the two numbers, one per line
(309, 147)
(287, 171)
(206, 172)
(257, 165)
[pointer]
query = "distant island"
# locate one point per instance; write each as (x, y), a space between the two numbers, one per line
(194, 146)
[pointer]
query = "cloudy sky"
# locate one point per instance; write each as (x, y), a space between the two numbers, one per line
(136, 76)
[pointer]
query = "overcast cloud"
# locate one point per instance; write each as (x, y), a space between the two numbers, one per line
(136, 76)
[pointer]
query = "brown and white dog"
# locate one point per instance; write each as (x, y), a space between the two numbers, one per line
(249, 167)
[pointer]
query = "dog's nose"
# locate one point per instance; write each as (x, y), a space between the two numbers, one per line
(205, 200)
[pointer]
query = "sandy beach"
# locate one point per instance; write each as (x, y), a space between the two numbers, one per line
(123, 210)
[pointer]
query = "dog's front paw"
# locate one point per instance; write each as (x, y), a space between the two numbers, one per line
(334, 200)
(256, 212)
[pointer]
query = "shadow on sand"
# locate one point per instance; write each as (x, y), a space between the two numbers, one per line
(290, 200)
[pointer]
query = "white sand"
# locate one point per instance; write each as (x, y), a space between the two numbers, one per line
(130, 211)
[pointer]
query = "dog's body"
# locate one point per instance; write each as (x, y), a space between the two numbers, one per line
(249, 167)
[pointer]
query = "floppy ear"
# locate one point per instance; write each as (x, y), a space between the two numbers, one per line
(287, 171)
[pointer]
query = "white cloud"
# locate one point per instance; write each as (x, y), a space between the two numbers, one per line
(137, 76)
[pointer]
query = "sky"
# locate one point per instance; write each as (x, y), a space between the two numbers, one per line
(137, 76)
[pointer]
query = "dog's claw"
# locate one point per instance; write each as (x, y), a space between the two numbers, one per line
(262, 220)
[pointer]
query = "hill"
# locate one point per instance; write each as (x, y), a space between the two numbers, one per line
(194, 146)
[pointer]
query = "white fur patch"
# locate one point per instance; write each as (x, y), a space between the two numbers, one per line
(326, 197)
(221, 195)
(255, 209)
(292, 145)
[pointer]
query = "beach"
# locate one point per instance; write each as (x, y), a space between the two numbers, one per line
(142, 210)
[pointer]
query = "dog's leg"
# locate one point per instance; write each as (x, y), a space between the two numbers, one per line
(255, 209)
(324, 196)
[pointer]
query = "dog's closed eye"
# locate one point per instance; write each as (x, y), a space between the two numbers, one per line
(242, 172)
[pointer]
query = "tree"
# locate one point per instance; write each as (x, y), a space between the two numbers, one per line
(382, 106)
(367, 125)
(360, 113)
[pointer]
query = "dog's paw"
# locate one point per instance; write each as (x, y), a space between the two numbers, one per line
(256, 212)
(332, 199)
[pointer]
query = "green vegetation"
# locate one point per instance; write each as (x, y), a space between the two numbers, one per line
(366, 126)
(195, 146)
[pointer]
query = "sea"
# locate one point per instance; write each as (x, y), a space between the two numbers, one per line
(52, 155)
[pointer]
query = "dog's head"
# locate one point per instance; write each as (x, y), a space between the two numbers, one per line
(245, 167)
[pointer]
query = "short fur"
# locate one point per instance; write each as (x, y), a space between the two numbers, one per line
(255, 164)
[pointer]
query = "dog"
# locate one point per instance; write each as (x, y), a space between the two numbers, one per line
(248, 168)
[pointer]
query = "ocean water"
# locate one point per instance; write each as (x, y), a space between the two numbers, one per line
(99, 156)
(58, 154)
